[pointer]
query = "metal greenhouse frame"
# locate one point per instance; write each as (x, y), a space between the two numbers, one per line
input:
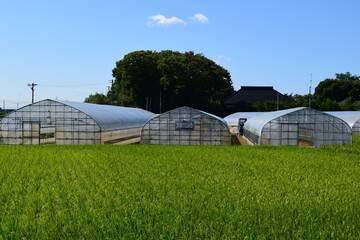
(351, 117)
(64, 122)
(186, 126)
(297, 126)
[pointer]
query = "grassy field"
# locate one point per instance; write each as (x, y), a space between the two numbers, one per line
(173, 192)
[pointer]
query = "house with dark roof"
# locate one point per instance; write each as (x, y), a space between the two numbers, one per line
(6, 110)
(253, 94)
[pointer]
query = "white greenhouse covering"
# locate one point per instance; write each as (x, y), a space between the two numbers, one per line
(351, 117)
(186, 126)
(64, 122)
(296, 126)
(232, 120)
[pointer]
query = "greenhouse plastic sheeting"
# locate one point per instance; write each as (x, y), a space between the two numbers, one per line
(186, 126)
(351, 117)
(112, 117)
(64, 122)
(233, 119)
(289, 127)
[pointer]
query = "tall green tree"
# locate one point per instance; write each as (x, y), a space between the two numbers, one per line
(136, 79)
(343, 86)
(161, 81)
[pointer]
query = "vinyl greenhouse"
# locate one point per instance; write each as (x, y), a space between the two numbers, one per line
(351, 117)
(297, 126)
(233, 119)
(64, 122)
(186, 126)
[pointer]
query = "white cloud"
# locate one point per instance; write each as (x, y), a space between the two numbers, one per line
(162, 20)
(221, 59)
(200, 18)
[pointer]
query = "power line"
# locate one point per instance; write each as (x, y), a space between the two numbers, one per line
(79, 85)
(16, 101)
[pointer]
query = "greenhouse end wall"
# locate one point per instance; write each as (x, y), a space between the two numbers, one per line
(356, 128)
(302, 126)
(186, 126)
(48, 122)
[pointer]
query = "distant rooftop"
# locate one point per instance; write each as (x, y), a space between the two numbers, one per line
(6, 110)
(254, 94)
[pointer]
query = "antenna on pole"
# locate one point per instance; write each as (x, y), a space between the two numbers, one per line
(310, 90)
(32, 86)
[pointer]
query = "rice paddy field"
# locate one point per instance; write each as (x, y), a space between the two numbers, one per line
(174, 192)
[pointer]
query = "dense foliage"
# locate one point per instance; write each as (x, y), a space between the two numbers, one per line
(161, 81)
(339, 93)
(97, 98)
(179, 192)
(343, 86)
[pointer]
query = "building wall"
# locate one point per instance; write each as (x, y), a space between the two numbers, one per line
(185, 126)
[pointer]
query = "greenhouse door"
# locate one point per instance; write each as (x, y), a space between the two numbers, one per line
(289, 134)
(47, 135)
(31, 133)
(306, 134)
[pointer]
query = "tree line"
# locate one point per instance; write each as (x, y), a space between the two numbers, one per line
(161, 81)
(341, 93)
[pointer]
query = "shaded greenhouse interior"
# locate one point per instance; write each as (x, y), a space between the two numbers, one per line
(298, 126)
(64, 122)
(186, 126)
(351, 117)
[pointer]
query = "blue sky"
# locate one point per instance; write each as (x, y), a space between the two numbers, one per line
(69, 48)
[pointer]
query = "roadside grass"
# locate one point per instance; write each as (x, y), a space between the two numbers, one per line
(179, 192)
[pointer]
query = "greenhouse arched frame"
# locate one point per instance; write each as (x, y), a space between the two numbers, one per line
(351, 117)
(65, 122)
(186, 126)
(297, 126)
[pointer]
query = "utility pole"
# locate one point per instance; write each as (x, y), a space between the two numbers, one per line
(111, 93)
(32, 86)
(310, 90)
(160, 102)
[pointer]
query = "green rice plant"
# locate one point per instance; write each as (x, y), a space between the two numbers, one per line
(346, 148)
(179, 192)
